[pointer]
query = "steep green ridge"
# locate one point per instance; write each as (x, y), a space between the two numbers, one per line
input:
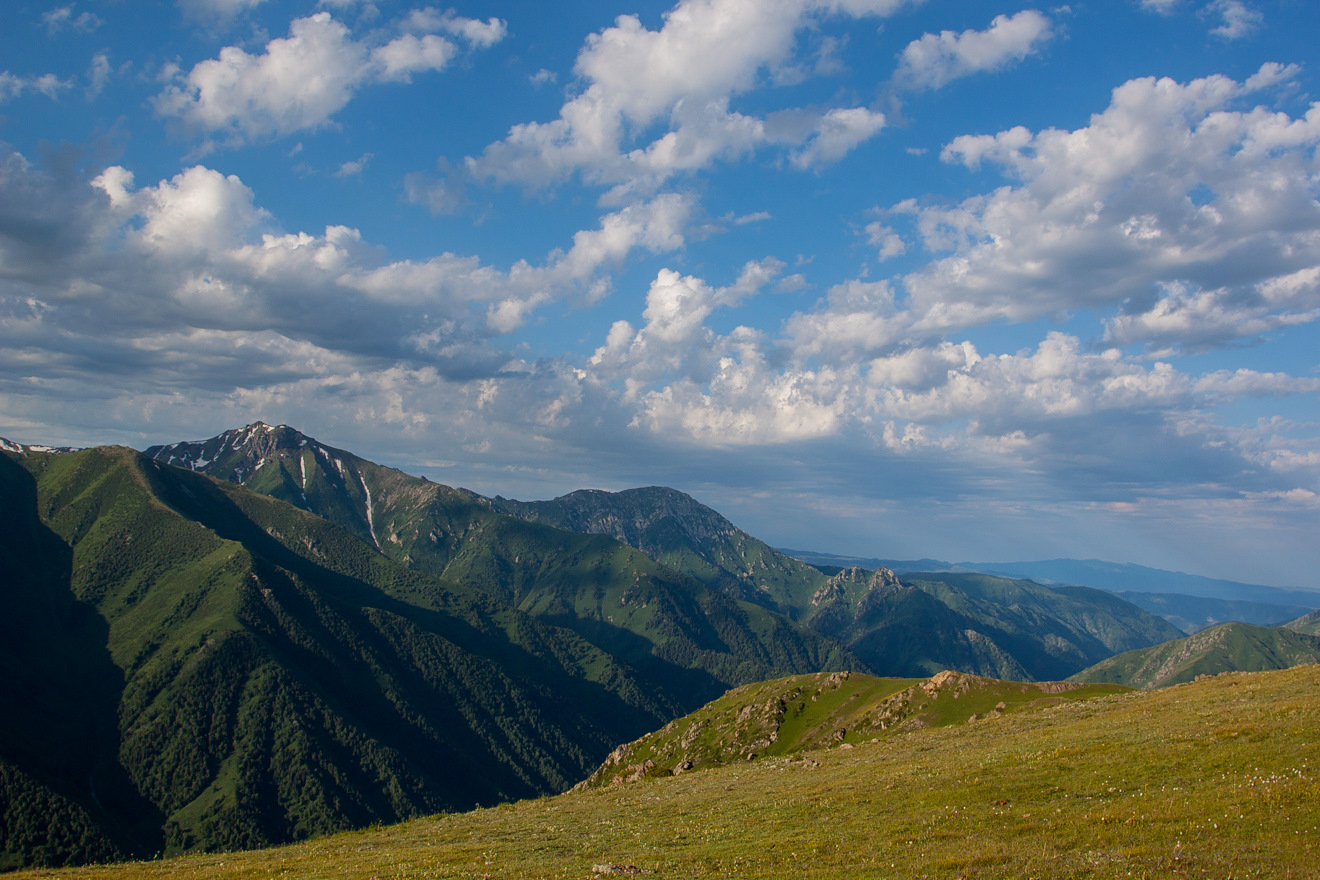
(805, 713)
(623, 601)
(974, 623)
(191, 664)
(1308, 624)
(58, 696)
(1231, 647)
(1213, 779)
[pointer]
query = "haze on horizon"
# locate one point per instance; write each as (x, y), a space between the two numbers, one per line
(989, 280)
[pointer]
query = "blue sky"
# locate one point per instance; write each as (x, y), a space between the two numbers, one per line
(973, 280)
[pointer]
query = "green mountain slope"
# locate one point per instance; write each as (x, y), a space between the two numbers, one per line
(805, 713)
(190, 664)
(623, 601)
(1308, 624)
(1231, 647)
(58, 698)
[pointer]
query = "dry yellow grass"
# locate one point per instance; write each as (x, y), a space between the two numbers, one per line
(1212, 779)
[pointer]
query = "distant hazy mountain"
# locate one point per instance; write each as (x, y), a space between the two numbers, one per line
(1192, 614)
(1116, 576)
(1231, 647)
(1190, 602)
(833, 562)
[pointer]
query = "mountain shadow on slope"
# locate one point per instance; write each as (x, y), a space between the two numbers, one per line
(64, 796)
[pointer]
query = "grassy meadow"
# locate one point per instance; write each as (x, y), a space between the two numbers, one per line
(1216, 778)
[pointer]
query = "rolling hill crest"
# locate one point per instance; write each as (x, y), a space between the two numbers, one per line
(1229, 647)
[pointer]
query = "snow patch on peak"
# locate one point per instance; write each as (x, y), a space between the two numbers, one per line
(11, 446)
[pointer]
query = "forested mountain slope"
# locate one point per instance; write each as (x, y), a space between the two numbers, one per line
(191, 664)
(915, 625)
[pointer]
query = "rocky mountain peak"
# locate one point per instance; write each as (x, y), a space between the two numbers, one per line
(236, 453)
(854, 582)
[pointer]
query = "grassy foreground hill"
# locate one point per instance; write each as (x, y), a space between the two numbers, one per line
(1230, 647)
(805, 713)
(1218, 778)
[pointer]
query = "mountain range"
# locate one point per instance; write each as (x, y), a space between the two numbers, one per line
(1190, 602)
(258, 638)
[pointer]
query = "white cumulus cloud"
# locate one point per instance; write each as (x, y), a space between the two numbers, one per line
(937, 59)
(1171, 189)
(300, 81)
(1237, 20)
(13, 85)
(680, 77)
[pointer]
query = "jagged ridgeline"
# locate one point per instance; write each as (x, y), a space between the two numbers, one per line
(916, 626)
(701, 592)
(693, 639)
